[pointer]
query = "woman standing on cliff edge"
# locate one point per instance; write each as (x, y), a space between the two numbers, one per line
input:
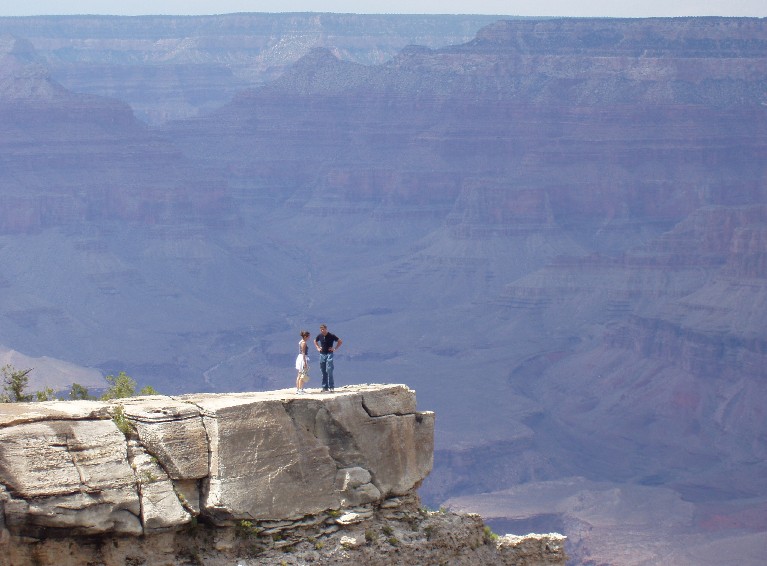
(302, 363)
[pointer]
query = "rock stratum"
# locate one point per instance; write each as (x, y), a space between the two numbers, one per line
(205, 479)
(171, 67)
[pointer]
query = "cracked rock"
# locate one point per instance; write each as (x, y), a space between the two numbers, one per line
(268, 456)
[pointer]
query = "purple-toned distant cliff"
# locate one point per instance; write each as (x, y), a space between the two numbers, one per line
(554, 230)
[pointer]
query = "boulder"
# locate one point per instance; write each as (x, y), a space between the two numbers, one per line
(263, 465)
(355, 487)
(161, 507)
(67, 473)
(173, 432)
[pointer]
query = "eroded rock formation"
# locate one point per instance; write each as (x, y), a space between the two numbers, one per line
(170, 67)
(224, 458)
(224, 474)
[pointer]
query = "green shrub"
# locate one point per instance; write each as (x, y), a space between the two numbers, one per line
(122, 386)
(243, 529)
(14, 383)
(47, 394)
(490, 536)
(122, 422)
(79, 392)
(246, 529)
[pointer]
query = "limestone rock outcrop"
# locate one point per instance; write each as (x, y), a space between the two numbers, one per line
(254, 478)
(146, 464)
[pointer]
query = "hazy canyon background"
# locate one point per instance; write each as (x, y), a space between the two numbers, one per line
(554, 230)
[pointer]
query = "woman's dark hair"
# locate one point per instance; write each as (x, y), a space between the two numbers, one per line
(304, 333)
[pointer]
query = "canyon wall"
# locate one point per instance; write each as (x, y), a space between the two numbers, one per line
(172, 67)
(553, 229)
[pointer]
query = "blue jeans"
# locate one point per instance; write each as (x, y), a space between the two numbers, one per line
(326, 367)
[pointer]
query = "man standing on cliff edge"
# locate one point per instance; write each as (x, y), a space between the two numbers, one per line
(324, 344)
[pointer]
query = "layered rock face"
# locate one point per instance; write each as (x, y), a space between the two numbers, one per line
(100, 151)
(172, 67)
(275, 465)
(222, 458)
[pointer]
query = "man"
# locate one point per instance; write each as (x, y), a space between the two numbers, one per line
(324, 344)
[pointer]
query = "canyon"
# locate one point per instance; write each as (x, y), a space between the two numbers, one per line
(172, 67)
(553, 230)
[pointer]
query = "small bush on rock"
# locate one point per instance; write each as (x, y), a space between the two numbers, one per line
(490, 536)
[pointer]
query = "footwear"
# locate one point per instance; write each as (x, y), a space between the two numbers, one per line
(325, 389)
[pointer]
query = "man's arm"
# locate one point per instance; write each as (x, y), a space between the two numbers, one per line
(316, 345)
(338, 344)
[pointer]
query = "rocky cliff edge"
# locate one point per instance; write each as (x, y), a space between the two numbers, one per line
(205, 478)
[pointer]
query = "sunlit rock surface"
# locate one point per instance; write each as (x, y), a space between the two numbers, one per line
(211, 478)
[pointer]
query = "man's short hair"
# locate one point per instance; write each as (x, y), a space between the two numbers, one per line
(323, 326)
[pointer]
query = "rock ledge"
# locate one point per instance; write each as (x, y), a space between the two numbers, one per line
(208, 478)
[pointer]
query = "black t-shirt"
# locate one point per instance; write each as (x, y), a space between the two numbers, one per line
(326, 342)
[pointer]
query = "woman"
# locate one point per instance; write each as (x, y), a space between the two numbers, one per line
(302, 363)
